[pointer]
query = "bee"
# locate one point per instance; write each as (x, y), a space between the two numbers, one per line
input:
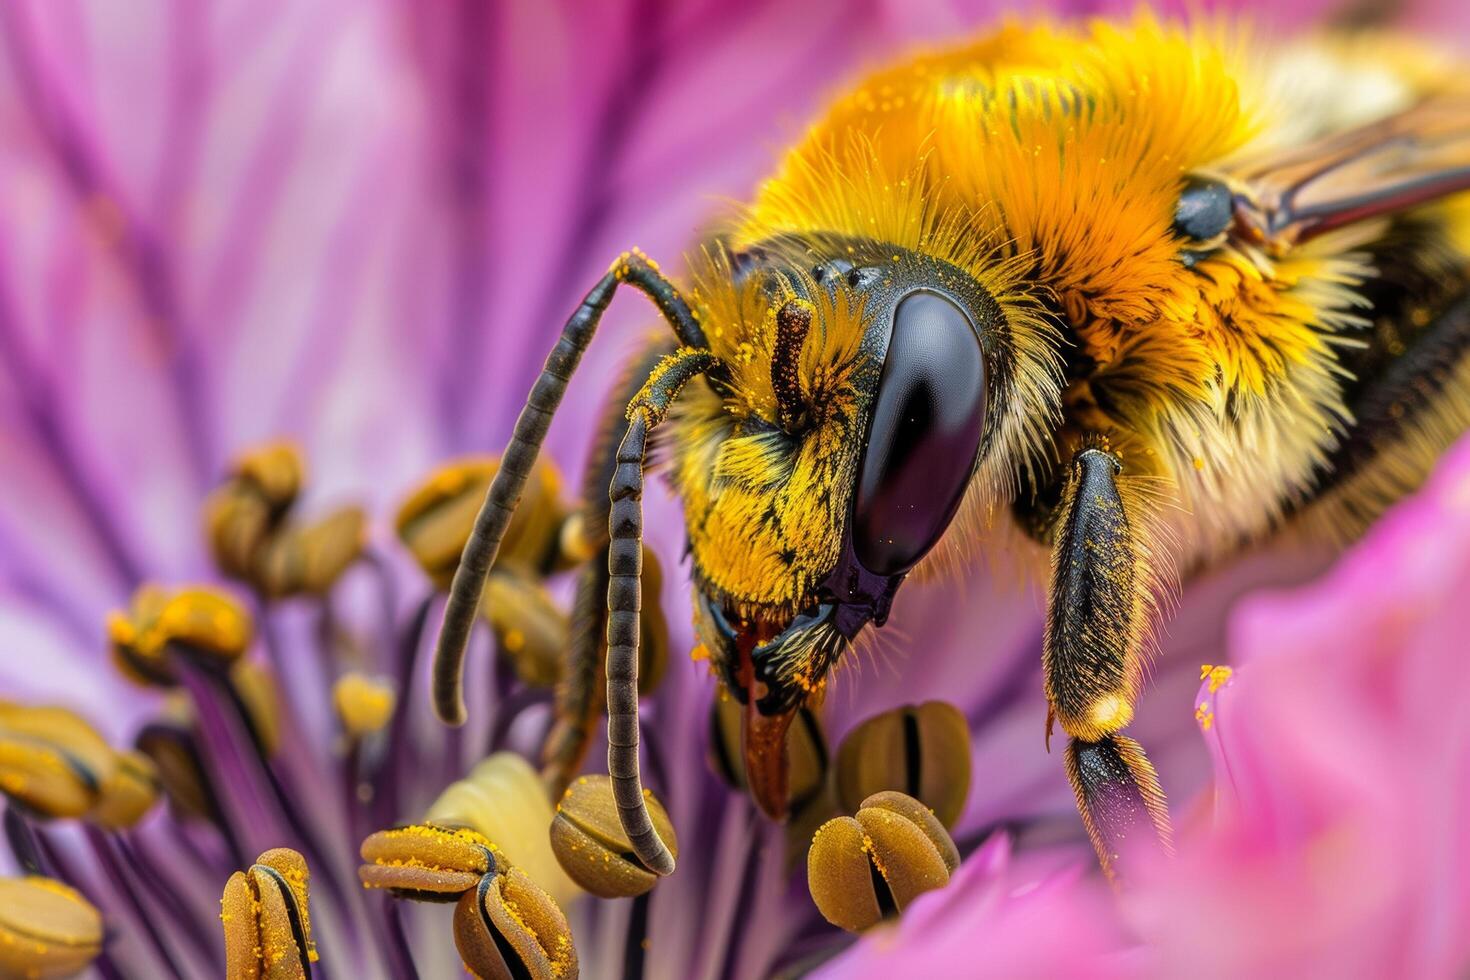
(1125, 294)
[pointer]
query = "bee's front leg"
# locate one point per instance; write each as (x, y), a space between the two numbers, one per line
(1092, 659)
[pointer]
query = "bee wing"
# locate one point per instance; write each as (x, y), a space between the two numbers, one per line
(1400, 162)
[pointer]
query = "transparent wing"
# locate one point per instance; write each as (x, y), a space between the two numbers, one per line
(1403, 161)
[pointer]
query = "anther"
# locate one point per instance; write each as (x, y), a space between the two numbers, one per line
(499, 808)
(51, 761)
(47, 929)
(56, 765)
(435, 521)
(364, 704)
(531, 631)
(426, 862)
(204, 621)
(127, 793)
(266, 919)
(309, 559)
(865, 868)
(508, 927)
(922, 750)
(254, 538)
(589, 841)
(176, 761)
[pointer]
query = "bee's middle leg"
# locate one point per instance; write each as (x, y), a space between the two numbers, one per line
(1092, 659)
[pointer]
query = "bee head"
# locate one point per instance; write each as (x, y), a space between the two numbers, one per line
(839, 459)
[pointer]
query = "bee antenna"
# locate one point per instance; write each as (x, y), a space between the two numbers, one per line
(793, 323)
(625, 599)
(525, 444)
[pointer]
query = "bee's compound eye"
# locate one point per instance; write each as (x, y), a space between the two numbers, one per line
(925, 433)
(1205, 209)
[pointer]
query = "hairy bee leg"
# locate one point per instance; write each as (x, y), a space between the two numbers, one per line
(1091, 659)
(1119, 798)
(515, 465)
(625, 600)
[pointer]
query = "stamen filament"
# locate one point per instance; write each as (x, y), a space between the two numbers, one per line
(122, 887)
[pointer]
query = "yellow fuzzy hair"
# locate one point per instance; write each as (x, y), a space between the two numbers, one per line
(764, 512)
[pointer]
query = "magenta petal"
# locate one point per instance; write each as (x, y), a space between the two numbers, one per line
(1342, 768)
(1001, 915)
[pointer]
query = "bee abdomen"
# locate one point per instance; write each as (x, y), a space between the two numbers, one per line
(1403, 416)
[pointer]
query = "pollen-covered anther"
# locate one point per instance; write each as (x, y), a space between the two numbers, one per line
(254, 538)
(531, 631)
(203, 621)
(51, 761)
(128, 793)
(427, 862)
(364, 704)
(921, 750)
(308, 559)
(435, 521)
(591, 845)
(863, 869)
(47, 929)
(503, 799)
(55, 764)
(266, 919)
(507, 927)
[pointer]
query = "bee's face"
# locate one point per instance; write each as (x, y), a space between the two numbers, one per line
(830, 460)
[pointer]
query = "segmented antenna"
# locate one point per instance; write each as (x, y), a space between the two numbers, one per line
(625, 557)
(525, 444)
(793, 323)
(625, 600)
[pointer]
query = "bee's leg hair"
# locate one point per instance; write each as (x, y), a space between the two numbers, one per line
(1091, 660)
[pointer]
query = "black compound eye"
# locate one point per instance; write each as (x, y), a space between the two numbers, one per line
(927, 421)
(1205, 209)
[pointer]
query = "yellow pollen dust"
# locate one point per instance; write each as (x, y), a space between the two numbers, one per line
(1217, 676)
(1110, 712)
